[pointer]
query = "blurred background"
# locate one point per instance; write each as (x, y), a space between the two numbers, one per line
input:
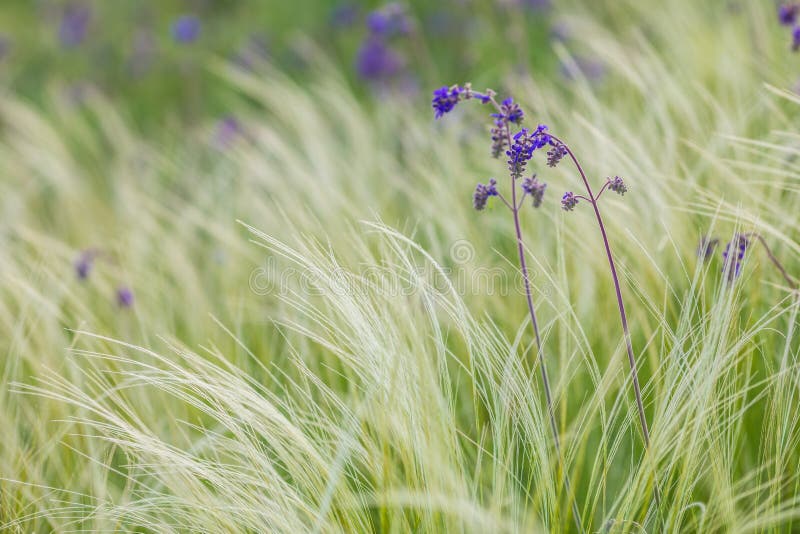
(150, 57)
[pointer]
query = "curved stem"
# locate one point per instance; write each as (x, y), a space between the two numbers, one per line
(621, 306)
(772, 258)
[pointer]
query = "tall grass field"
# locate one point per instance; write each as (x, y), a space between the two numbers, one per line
(256, 296)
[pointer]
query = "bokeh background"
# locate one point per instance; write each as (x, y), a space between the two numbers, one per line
(164, 163)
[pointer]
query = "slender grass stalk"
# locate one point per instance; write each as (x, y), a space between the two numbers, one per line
(592, 199)
(540, 356)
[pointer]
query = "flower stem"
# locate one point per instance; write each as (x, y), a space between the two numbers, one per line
(540, 353)
(773, 259)
(622, 314)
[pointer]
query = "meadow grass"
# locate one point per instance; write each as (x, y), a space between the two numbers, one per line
(306, 352)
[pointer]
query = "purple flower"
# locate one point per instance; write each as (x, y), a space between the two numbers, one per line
(569, 201)
(733, 255)
(533, 187)
(186, 29)
(510, 111)
(499, 137)
(124, 297)
(444, 99)
(389, 21)
(556, 154)
(787, 13)
(706, 247)
(84, 263)
(377, 61)
(524, 144)
(796, 38)
(483, 192)
(617, 185)
(74, 25)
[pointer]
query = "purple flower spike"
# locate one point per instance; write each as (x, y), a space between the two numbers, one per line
(124, 297)
(556, 154)
(74, 26)
(389, 21)
(787, 13)
(186, 29)
(796, 38)
(482, 194)
(376, 61)
(511, 111)
(569, 201)
(445, 99)
(84, 264)
(535, 189)
(706, 247)
(733, 255)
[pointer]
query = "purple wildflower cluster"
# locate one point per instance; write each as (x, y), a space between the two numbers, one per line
(733, 255)
(556, 154)
(376, 59)
(788, 14)
(569, 201)
(186, 29)
(617, 185)
(520, 148)
(533, 187)
(483, 192)
(389, 21)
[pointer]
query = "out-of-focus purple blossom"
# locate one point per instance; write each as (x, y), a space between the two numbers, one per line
(796, 38)
(345, 15)
(388, 21)
(377, 61)
(617, 185)
(733, 255)
(569, 201)
(533, 187)
(124, 297)
(706, 247)
(74, 25)
(84, 263)
(227, 132)
(787, 13)
(186, 29)
(482, 194)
